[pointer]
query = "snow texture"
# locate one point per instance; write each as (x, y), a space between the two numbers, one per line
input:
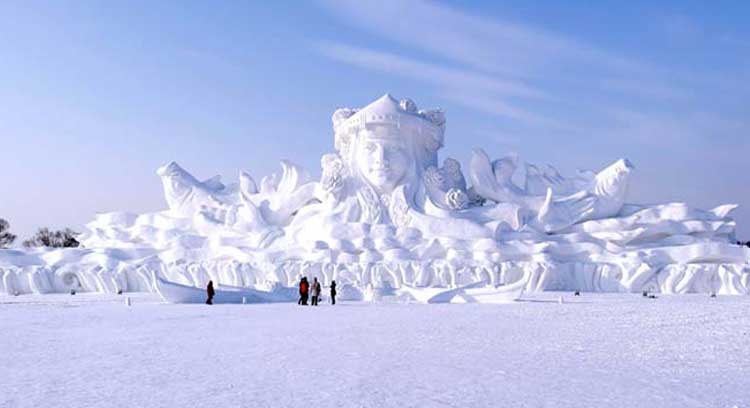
(597, 350)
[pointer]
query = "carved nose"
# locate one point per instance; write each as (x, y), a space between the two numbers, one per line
(380, 155)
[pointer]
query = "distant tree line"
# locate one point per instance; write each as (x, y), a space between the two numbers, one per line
(6, 238)
(44, 237)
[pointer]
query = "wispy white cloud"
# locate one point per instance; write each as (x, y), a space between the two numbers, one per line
(491, 64)
(493, 105)
(545, 80)
(643, 87)
(481, 92)
(490, 45)
(424, 71)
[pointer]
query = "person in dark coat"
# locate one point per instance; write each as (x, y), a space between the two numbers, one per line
(333, 292)
(210, 292)
(304, 288)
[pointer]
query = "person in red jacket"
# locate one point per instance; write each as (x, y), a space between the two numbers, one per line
(304, 288)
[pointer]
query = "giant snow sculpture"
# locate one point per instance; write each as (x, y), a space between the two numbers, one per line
(387, 216)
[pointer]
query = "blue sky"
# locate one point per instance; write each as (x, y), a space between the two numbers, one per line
(94, 95)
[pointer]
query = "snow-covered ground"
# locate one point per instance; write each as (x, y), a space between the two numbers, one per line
(595, 350)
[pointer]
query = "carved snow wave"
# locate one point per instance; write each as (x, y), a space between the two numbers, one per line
(353, 279)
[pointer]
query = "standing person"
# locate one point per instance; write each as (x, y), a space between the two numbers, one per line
(333, 292)
(303, 291)
(210, 292)
(306, 295)
(301, 281)
(315, 291)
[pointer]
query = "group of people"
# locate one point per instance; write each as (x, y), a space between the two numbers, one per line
(307, 290)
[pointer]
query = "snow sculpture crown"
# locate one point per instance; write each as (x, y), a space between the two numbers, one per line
(424, 128)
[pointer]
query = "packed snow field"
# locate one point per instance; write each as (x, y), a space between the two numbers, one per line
(594, 350)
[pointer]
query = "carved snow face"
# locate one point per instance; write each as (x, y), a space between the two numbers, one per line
(383, 158)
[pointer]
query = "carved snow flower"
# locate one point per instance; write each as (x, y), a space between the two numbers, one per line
(436, 116)
(452, 172)
(456, 199)
(332, 177)
(452, 166)
(408, 105)
(342, 114)
(332, 162)
(433, 178)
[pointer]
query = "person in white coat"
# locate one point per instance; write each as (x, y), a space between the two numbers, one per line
(315, 291)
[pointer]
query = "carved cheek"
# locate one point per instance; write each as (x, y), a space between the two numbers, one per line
(398, 161)
(364, 158)
(372, 160)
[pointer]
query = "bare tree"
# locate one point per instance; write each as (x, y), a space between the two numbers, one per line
(6, 238)
(45, 237)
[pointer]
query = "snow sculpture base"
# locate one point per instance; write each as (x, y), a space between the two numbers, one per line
(719, 278)
(388, 221)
